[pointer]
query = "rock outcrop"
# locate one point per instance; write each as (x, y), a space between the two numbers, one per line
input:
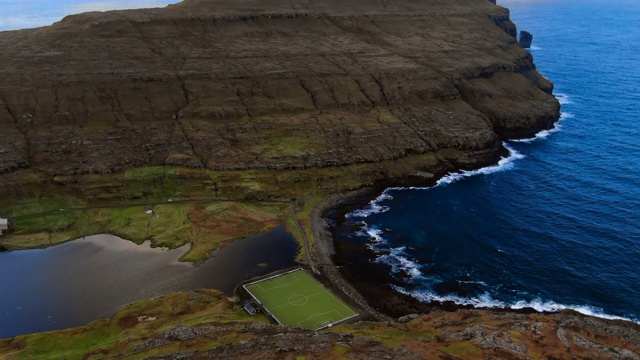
(226, 85)
(525, 39)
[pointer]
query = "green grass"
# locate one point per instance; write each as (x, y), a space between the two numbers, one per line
(296, 299)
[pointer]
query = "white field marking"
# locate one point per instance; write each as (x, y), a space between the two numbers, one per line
(300, 299)
(313, 316)
(271, 277)
(246, 286)
(280, 286)
(337, 322)
(289, 304)
(321, 324)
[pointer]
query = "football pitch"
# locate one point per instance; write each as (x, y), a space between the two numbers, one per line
(296, 299)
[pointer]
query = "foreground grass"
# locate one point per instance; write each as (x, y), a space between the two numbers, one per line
(189, 325)
(125, 331)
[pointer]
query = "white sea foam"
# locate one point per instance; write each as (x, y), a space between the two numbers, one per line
(374, 207)
(505, 163)
(486, 301)
(540, 135)
(545, 133)
(400, 263)
(565, 115)
(483, 300)
(535, 48)
(394, 257)
(375, 234)
(563, 98)
(551, 306)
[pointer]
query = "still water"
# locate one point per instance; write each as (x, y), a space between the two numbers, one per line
(91, 278)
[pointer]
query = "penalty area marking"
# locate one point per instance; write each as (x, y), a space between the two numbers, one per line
(322, 322)
(278, 286)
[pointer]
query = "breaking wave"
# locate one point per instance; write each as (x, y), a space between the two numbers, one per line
(485, 300)
(563, 99)
(375, 206)
(505, 163)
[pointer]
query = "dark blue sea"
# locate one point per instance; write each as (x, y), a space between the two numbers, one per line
(556, 224)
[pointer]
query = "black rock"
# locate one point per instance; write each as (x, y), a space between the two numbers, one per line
(525, 39)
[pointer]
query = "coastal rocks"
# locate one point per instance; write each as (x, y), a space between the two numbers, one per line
(256, 86)
(525, 39)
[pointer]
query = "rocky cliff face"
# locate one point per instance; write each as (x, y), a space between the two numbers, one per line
(245, 85)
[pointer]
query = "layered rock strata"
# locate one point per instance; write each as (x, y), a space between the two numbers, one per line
(255, 85)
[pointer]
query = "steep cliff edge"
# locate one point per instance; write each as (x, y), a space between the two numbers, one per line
(227, 85)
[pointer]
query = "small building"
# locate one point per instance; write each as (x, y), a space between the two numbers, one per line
(4, 225)
(251, 307)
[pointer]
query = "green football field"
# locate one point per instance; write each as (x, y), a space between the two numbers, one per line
(296, 299)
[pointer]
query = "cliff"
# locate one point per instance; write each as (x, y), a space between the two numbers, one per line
(254, 85)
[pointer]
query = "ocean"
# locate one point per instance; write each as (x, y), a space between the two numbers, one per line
(554, 225)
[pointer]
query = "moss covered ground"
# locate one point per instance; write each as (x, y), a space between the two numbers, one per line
(173, 206)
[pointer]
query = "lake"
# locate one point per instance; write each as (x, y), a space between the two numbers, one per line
(91, 278)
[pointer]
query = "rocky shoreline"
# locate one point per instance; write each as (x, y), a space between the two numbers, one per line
(374, 297)
(382, 303)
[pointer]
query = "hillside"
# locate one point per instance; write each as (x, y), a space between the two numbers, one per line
(263, 110)
(251, 101)
(227, 85)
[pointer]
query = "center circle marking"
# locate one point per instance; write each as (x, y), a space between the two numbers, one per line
(298, 300)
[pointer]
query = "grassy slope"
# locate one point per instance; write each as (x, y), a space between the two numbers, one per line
(202, 207)
(207, 320)
(128, 328)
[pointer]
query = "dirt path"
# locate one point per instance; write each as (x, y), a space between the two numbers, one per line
(304, 238)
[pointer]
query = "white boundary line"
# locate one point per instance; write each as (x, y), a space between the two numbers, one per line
(258, 301)
(279, 286)
(325, 290)
(271, 277)
(337, 322)
(317, 315)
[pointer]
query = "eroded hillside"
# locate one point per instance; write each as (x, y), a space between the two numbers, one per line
(224, 86)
